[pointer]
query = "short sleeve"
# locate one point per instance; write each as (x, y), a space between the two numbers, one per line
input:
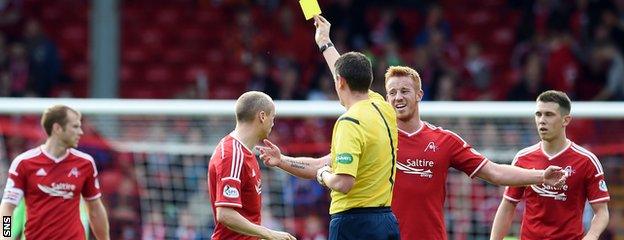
(464, 157)
(16, 183)
(595, 184)
(228, 188)
(514, 194)
(347, 143)
(91, 188)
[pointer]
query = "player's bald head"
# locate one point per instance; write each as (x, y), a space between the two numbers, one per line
(251, 103)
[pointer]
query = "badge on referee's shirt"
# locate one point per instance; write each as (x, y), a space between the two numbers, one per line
(344, 158)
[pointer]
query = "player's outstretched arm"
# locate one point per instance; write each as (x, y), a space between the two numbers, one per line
(321, 37)
(6, 209)
(507, 175)
(599, 222)
(236, 222)
(503, 219)
(303, 167)
(98, 219)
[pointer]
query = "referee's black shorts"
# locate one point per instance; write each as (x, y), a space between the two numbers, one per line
(364, 223)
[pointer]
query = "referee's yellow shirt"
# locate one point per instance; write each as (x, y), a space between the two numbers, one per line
(364, 145)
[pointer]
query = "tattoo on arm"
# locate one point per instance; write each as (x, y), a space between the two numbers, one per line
(297, 163)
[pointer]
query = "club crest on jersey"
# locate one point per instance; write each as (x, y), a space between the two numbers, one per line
(431, 146)
(73, 172)
(63, 190)
(230, 192)
(568, 171)
(602, 185)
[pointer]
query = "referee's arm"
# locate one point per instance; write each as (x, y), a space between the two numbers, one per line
(338, 182)
(303, 167)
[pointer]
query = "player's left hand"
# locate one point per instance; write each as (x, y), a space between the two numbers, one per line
(554, 176)
(270, 154)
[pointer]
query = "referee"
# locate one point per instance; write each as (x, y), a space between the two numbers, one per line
(362, 161)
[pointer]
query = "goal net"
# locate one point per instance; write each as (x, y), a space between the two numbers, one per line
(153, 157)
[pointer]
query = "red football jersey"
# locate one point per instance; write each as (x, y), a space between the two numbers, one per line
(424, 158)
(234, 180)
(52, 188)
(557, 213)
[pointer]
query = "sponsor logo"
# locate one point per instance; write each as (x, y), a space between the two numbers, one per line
(74, 172)
(431, 146)
(417, 167)
(344, 158)
(230, 192)
(602, 185)
(63, 190)
(551, 192)
(41, 172)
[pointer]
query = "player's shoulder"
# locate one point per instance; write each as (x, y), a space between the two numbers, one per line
(526, 153)
(230, 147)
(528, 150)
(81, 155)
(30, 154)
(84, 157)
(430, 129)
(587, 156)
(25, 156)
(582, 152)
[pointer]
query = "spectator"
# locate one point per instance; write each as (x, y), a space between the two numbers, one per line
(611, 57)
(45, 65)
(435, 22)
(478, 70)
(261, 80)
(18, 70)
(531, 82)
(562, 67)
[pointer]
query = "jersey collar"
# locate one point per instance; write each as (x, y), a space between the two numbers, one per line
(56, 160)
(241, 143)
(422, 125)
(568, 144)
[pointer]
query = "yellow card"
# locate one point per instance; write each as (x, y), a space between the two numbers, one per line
(310, 8)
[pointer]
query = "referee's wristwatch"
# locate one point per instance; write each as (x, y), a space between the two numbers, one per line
(325, 46)
(319, 174)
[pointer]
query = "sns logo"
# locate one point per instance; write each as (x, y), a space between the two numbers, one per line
(230, 192)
